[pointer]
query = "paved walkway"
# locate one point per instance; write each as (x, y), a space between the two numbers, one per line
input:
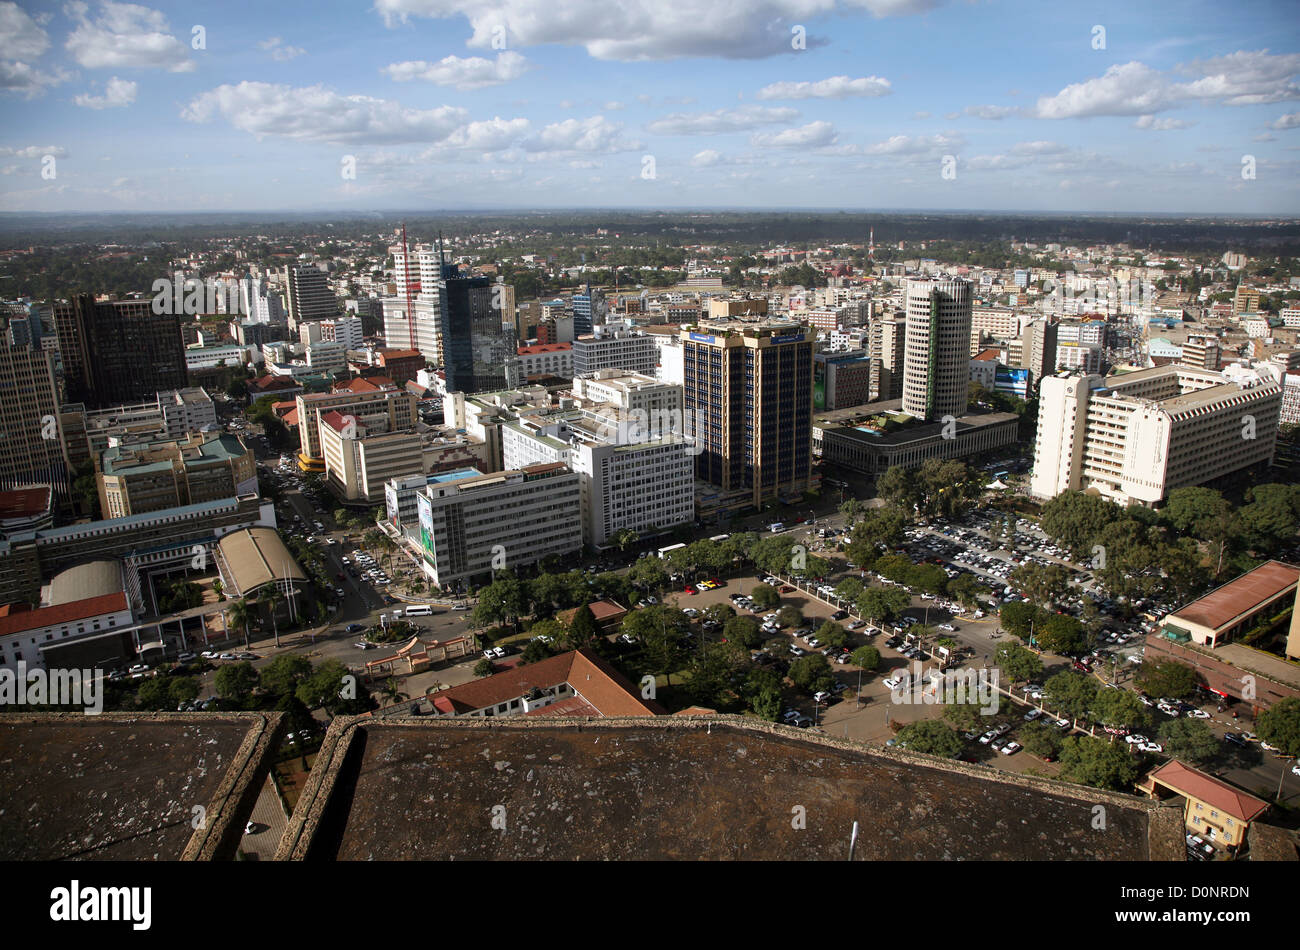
(269, 822)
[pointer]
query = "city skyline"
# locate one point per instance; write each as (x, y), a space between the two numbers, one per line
(815, 104)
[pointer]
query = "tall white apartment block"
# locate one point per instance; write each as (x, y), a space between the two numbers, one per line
(631, 392)
(428, 326)
(630, 478)
(936, 372)
(472, 524)
(1134, 438)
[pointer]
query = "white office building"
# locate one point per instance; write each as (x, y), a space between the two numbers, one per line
(936, 371)
(1134, 438)
(472, 524)
(619, 349)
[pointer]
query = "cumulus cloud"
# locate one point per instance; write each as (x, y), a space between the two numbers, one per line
(990, 112)
(1289, 121)
(280, 52)
(636, 30)
(117, 93)
(915, 145)
(742, 119)
(125, 36)
(594, 134)
(32, 151)
(1153, 124)
(464, 73)
(21, 40)
(836, 87)
(1241, 78)
(812, 135)
(317, 114)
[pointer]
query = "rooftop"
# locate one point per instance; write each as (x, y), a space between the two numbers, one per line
(29, 502)
(1223, 606)
(685, 788)
(125, 786)
(1218, 794)
(608, 691)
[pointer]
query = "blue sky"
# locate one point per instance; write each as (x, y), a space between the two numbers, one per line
(944, 104)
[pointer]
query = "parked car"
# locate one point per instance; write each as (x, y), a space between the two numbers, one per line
(1011, 748)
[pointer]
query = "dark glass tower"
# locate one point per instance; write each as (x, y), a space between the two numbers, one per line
(475, 341)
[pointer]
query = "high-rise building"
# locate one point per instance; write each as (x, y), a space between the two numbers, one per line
(1245, 300)
(1202, 352)
(32, 446)
(374, 409)
(936, 374)
(748, 390)
(888, 352)
(588, 311)
(475, 343)
(118, 351)
(310, 297)
(1038, 350)
(616, 349)
(470, 522)
(1134, 438)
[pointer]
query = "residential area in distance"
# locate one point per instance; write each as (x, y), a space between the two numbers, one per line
(489, 495)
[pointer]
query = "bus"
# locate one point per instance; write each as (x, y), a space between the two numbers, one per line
(719, 538)
(664, 552)
(419, 610)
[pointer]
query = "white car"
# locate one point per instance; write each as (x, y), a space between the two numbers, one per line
(1198, 714)
(1150, 747)
(893, 682)
(821, 696)
(1135, 739)
(1011, 748)
(946, 626)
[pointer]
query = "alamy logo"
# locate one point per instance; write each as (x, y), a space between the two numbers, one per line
(641, 426)
(192, 297)
(974, 687)
(74, 903)
(39, 687)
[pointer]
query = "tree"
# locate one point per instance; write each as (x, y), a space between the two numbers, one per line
(743, 630)
(719, 613)
(238, 615)
(152, 694)
(1166, 678)
(762, 691)
(583, 629)
(714, 670)
(1097, 763)
(965, 717)
(236, 682)
(965, 590)
(1041, 740)
(661, 630)
(812, 673)
(649, 574)
(1194, 509)
(899, 488)
(626, 537)
(283, 675)
(484, 667)
(182, 689)
(1041, 584)
(882, 604)
(765, 597)
(1189, 739)
(1060, 633)
(832, 634)
(1279, 725)
(850, 589)
(1118, 708)
(931, 737)
(867, 657)
(327, 689)
(1073, 693)
(1016, 663)
(790, 617)
(1018, 618)
(535, 651)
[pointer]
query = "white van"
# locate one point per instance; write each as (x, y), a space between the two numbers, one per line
(419, 610)
(774, 528)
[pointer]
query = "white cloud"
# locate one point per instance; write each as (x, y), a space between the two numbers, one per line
(317, 114)
(125, 36)
(1161, 125)
(22, 40)
(32, 151)
(21, 37)
(1127, 89)
(837, 87)
(812, 135)
(706, 158)
(279, 52)
(594, 134)
(1238, 79)
(1040, 147)
(1289, 121)
(472, 72)
(488, 136)
(920, 115)
(915, 145)
(990, 112)
(741, 119)
(117, 93)
(634, 30)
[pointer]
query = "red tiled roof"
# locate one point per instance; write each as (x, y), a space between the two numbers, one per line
(62, 613)
(407, 354)
(334, 419)
(605, 611)
(984, 355)
(599, 684)
(1193, 783)
(1217, 608)
(544, 348)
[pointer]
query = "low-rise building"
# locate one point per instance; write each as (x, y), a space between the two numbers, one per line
(149, 476)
